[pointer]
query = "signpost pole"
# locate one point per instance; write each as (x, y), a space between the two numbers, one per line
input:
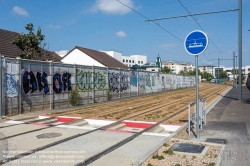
(218, 74)
(197, 97)
(240, 47)
(195, 44)
(233, 68)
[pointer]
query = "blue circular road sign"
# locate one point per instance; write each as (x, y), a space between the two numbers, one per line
(196, 42)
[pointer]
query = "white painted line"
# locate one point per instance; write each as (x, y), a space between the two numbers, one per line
(76, 127)
(99, 122)
(44, 116)
(157, 134)
(170, 127)
(14, 122)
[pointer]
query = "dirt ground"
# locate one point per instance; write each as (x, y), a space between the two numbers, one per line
(166, 157)
(151, 108)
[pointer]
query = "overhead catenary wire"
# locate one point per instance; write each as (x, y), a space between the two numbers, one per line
(200, 27)
(156, 23)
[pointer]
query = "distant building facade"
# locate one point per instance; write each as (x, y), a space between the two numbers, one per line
(245, 71)
(128, 60)
(176, 66)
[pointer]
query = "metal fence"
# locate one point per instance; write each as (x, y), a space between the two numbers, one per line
(36, 85)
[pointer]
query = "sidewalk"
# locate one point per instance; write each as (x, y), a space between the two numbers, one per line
(230, 119)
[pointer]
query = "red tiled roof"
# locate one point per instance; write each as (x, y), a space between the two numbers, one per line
(8, 49)
(100, 57)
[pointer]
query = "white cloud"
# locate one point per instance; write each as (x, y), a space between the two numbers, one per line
(112, 6)
(167, 46)
(121, 34)
(20, 11)
(54, 26)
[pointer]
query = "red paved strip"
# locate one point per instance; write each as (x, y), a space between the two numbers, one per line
(66, 119)
(138, 125)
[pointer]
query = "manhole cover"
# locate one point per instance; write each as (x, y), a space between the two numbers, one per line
(48, 135)
(217, 140)
(189, 148)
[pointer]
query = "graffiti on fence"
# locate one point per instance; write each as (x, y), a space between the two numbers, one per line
(38, 81)
(141, 81)
(163, 81)
(148, 82)
(118, 82)
(61, 83)
(133, 78)
(153, 80)
(168, 80)
(89, 80)
(10, 85)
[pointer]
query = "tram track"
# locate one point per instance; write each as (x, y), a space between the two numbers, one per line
(91, 159)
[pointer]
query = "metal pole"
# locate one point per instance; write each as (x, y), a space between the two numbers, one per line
(197, 97)
(218, 74)
(1, 68)
(237, 71)
(240, 46)
(233, 68)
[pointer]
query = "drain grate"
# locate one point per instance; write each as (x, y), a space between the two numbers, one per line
(188, 148)
(217, 140)
(48, 135)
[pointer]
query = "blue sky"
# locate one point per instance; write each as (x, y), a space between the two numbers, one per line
(108, 25)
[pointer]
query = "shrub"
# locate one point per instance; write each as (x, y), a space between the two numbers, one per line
(149, 164)
(74, 97)
(108, 95)
(169, 152)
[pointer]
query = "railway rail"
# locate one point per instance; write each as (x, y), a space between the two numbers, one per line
(93, 158)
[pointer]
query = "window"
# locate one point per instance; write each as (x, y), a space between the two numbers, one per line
(138, 62)
(129, 65)
(129, 61)
(141, 62)
(134, 62)
(123, 60)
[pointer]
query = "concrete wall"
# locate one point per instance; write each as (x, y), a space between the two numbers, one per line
(35, 85)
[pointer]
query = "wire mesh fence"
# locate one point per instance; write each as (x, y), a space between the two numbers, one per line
(37, 85)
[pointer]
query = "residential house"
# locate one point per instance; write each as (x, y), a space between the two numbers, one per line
(85, 56)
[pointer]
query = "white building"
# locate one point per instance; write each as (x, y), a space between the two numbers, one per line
(207, 68)
(89, 57)
(245, 71)
(176, 66)
(128, 60)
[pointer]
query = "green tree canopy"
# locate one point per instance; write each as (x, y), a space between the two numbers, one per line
(31, 44)
(223, 74)
(206, 75)
(248, 74)
(193, 72)
(165, 69)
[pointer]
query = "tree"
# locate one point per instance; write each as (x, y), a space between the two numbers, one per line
(193, 72)
(248, 74)
(223, 74)
(31, 44)
(184, 73)
(165, 69)
(242, 78)
(206, 75)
